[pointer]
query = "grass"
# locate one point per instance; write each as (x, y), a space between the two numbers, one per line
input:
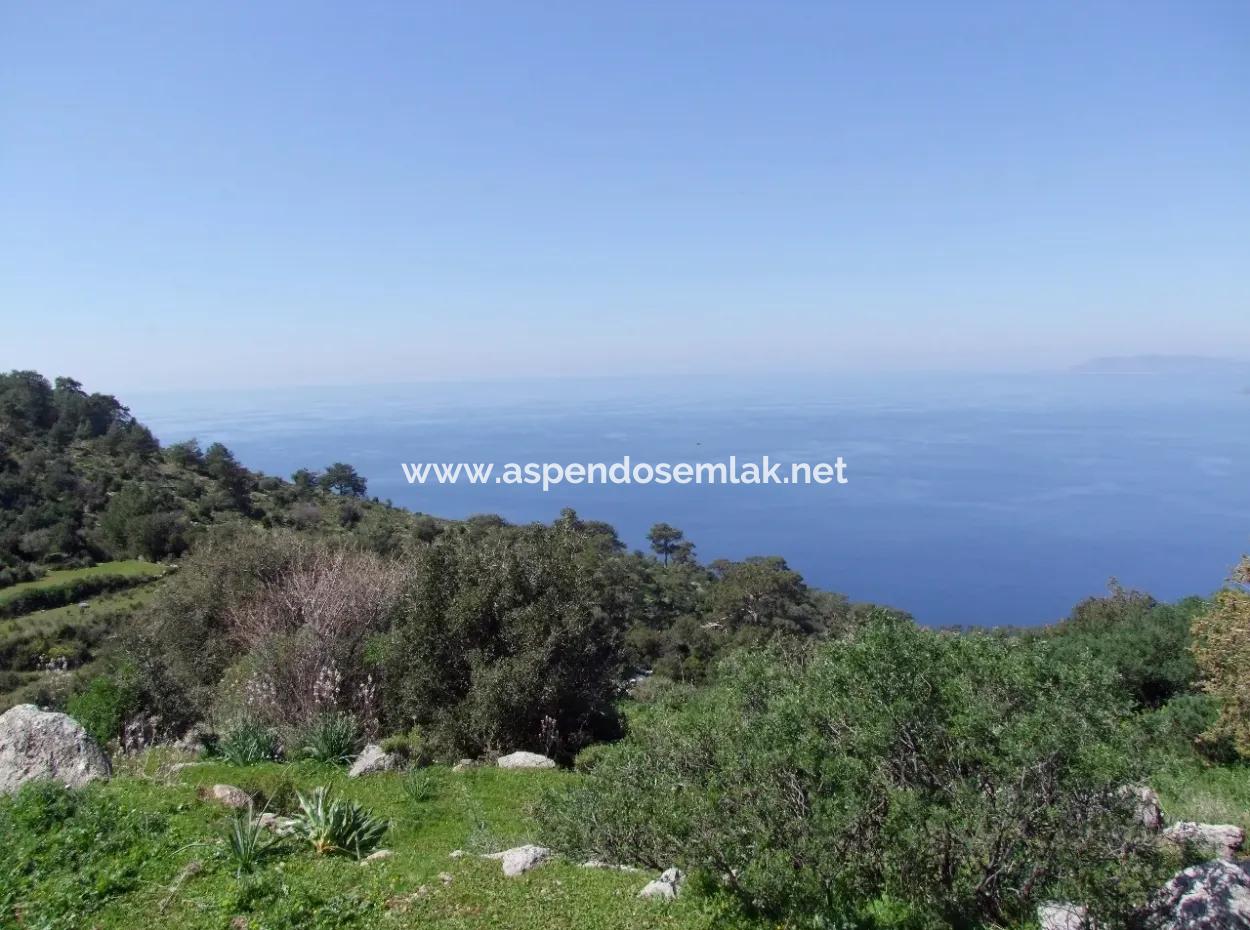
(129, 568)
(1191, 790)
(179, 873)
(77, 633)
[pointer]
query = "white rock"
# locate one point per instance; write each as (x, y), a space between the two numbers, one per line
(39, 744)
(1221, 839)
(665, 888)
(377, 856)
(1211, 896)
(520, 860)
(526, 760)
(373, 760)
(464, 765)
(1060, 915)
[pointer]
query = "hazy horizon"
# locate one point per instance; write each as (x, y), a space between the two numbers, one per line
(310, 194)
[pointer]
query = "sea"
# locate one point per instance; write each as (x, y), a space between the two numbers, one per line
(986, 499)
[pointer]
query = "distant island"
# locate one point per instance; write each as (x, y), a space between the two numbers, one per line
(1162, 365)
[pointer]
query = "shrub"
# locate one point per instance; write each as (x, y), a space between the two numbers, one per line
(248, 743)
(1147, 643)
(410, 747)
(1222, 650)
(965, 778)
(337, 825)
(106, 704)
(332, 738)
(498, 632)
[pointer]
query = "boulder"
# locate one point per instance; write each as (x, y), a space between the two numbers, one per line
(1212, 896)
(39, 744)
(526, 760)
(228, 795)
(665, 888)
(521, 859)
(373, 760)
(1219, 839)
(1060, 915)
(1148, 811)
(465, 765)
(377, 856)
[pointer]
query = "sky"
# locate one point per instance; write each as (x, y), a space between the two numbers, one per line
(243, 194)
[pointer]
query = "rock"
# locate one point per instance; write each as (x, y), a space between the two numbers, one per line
(464, 765)
(1212, 896)
(1060, 915)
(446, 878)
(1149, 812)
(526, 760)
(666, 887)
(196, 739)
(373, 760)
(456, 854)
(38, 744)
(228, 795)
(1221, 839)
(377, 856)
(520, 860)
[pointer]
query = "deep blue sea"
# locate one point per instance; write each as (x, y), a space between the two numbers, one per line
(987, 499)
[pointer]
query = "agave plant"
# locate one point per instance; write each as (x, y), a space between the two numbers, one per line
(248, 841)
(337, 825)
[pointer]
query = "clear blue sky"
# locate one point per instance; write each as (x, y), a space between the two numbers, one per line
(259, 193)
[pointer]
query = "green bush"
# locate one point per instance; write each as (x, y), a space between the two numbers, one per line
(248, 743)
(506, 639)
(410, 747)
(961, 778)
(106, 704)
(331, 738)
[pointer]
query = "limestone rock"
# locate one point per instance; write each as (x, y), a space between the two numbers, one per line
(39, 744)
(1220, 839)
(1212, 896)
(665, 888)
(526, 760)
(521, 859)
(373, 760)
(1060, 915)
(228, 795)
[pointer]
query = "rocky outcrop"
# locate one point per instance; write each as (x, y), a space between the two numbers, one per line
(1212, 896)
(38, 744)
(372, 760)
(1217, 839)
(665, 888)
(526, 760)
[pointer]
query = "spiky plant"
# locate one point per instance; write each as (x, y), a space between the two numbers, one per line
(337, 825)
(247, 841)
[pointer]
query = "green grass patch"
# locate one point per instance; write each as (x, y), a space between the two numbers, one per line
(1192, 790)
(163, 860)
(61, 588)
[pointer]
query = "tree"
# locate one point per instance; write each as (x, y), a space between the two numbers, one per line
(664, 540)
(341, 478)
(305, 481)
(1221, 637)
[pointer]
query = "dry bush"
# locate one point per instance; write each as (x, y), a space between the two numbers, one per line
(304, 633)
